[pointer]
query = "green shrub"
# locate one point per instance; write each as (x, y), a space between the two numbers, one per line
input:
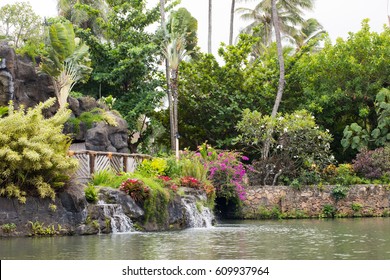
(174, 168)
(340, 191)
(91, 193)
(94, 116)
(329, 211)
(297, 144)
(264, 213)
(194, 168)
(39, 229)
(3, 111)
(356, 207)
(373, 164)
(8, 228)
(108, 178)
(33, 152)
(153, 167)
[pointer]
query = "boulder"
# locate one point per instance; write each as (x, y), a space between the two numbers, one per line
(107, 138)
(66, 212)
(129, 207)
(21, 83)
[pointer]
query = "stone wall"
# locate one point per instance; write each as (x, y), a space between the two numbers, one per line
(287, 202)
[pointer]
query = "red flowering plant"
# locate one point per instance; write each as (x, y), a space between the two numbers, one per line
(136, 189)
(190, 182)
(168, 183)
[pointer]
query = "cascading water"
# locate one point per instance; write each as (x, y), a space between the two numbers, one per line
(119, 221)
(198, 216)
(6, 83)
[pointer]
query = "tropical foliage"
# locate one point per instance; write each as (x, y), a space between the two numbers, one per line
(19, 24)
(33, 153)
(296, 144)
(67, 61)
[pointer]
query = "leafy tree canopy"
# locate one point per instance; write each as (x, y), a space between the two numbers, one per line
(339, 84)
(125, 63)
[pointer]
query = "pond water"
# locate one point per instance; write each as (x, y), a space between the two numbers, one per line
(355, 239)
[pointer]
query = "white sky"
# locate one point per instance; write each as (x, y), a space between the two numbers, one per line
(337, 16)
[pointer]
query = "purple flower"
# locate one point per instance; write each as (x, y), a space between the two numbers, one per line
(244, 158)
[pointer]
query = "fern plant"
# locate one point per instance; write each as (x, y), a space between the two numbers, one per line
(33, 152)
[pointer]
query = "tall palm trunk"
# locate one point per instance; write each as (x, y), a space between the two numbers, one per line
(279, 94)
(175, 94)
(278, 37)
(232, 22)
(210, 27)
(167, 75)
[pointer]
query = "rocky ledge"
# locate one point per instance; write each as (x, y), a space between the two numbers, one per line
(71, 214)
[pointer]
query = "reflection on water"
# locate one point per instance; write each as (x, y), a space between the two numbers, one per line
(289, 239)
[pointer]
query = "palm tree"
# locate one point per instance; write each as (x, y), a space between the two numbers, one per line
(175, 51)
(68, 60)
(182, 33)
(260, 17)
(310, 30)
(79, 12)
(232, 10)
(285, 15)
(210, 27)
(275, 21)
(167, 76)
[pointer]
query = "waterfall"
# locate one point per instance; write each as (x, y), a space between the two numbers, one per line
(119, 221)
(198, 216)
(6, 80)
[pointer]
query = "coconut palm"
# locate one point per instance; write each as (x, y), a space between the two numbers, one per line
(275, 17)
(79, 12)
(309, 30)
(210, 27)
(167, 77)
(260, 17)
(232, 10)
(68, 60)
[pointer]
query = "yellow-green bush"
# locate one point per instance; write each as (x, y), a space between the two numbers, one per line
(33, 152)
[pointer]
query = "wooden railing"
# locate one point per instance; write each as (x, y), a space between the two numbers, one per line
(94, 161)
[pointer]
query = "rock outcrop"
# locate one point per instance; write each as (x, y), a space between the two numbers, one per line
(64, 214)
(21, 83)
(108, 138)
(71, 214)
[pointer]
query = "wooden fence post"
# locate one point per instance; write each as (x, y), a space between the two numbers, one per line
(92, 157)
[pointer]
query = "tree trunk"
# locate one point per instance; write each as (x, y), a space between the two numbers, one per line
(275, 19)
(167, 76)
(210, 27)
(279, 94)
(232, 22)
(174, 90)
